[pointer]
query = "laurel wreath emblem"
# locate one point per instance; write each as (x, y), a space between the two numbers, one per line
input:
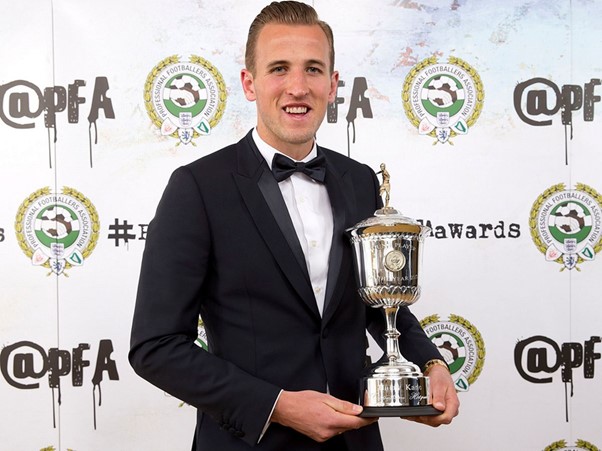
(582, 444)
(71, 192)
(175, 59)
(473, 331)
(541, 199)
(416, 69)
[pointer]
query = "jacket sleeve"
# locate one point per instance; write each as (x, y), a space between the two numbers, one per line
(165, 323)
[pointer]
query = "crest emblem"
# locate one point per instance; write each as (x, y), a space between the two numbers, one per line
(202, 339)
(580, 445)
(566, 224)
(185, 100)
(443, 100)
(460, 344)
(57, 231)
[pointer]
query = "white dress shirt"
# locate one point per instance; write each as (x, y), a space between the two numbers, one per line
(309, 207)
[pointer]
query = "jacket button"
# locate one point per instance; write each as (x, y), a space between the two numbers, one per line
(325, 333)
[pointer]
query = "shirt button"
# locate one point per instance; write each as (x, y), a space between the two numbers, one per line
(313, 243)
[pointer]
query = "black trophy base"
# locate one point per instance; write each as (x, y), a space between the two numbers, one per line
(403, 411)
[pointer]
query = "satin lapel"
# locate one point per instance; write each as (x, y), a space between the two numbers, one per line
(266, 206)
(272, 195)
(339, 187)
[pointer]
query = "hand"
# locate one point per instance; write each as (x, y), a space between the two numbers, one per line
(317, 415)
(444, 396)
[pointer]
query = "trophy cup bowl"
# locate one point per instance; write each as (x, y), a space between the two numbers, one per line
(387, 255)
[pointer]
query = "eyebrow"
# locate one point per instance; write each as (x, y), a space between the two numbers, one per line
(278, 63)
(311, 62)
(316, 63)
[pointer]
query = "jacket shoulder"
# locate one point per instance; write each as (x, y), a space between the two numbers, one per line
(344, 164)
(222, 158)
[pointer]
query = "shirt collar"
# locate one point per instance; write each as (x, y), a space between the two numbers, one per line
(267, 151)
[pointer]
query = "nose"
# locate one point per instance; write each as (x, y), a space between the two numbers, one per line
(297, 84)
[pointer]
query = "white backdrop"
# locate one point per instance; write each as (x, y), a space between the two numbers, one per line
(492, 289)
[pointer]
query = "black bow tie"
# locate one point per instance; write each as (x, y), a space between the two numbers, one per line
(283, 167)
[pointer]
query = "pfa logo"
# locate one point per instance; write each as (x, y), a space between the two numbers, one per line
(185, 99)
(580, 445)
(566, 224)
(57, 231)
(443, 100)
(460, 344)
(201, 339)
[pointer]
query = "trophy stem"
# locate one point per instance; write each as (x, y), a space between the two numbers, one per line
(392, 335)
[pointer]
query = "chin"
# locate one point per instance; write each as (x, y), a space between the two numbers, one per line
(300, 137)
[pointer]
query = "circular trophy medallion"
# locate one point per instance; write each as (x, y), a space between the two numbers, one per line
(395, 261)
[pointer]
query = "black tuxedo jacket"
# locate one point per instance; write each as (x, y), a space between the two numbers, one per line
(222, 245)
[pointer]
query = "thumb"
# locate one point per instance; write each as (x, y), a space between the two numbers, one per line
(439, 404)
(439, 397)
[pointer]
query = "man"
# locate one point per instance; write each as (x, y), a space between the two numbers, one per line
(263, 258)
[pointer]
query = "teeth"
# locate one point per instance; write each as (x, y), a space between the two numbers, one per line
(296, 110)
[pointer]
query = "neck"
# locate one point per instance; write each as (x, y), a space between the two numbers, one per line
(295, 151)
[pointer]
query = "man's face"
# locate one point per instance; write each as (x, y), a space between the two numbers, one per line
(292, 85)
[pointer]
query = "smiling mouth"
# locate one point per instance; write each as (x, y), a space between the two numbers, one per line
(296, 109)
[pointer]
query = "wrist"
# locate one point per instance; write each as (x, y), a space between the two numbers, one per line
(432, 363)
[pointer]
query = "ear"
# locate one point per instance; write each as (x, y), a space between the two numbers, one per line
(248, 85)
(334, 84)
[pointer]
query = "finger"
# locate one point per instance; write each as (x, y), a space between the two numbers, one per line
(345, 407)
(434, 420)
(346, 413)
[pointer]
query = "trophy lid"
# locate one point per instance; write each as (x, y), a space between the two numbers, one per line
(387, 219)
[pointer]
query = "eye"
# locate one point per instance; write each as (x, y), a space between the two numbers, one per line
(314, 70)
(278, 69)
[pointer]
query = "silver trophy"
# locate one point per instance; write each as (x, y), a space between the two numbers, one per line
(387, 255)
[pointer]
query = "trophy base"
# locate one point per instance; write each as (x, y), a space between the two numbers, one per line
(395, 388)
(404, 411)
